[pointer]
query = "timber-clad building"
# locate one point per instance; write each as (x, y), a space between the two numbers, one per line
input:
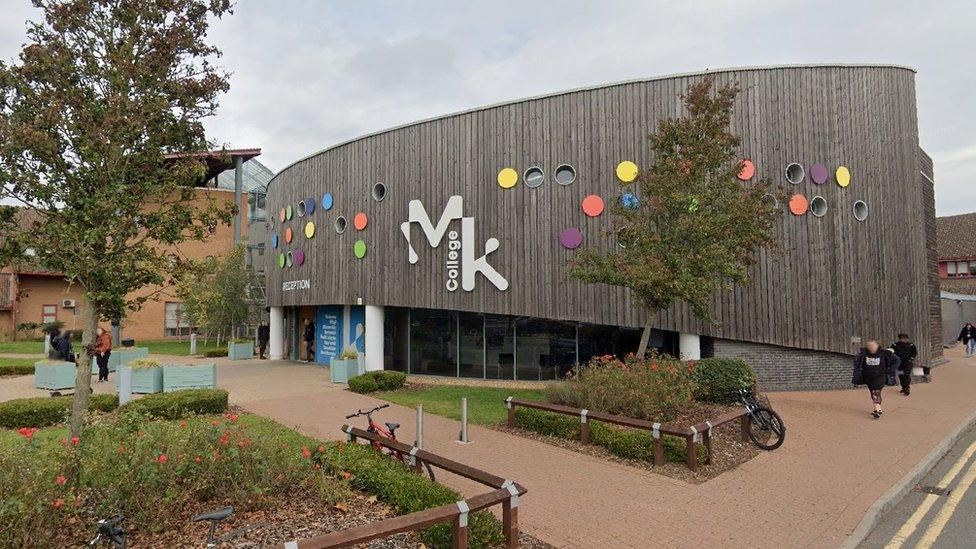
(441, 247)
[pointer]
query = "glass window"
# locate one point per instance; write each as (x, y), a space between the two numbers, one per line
(49, 313)
(534, 176)
(951, 268)
(544, 349)
(433, 342)
(963, 268)
(396, 338)
(565, 174)
(499, 347)
(598, 340)
(175, 324)
(972, 268)
(471, 333)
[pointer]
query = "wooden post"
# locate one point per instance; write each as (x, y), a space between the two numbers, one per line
(708, 446)
(585, 433)
(659, 451)
(692, 453)
(460, 538)
(510, 524)
(511, 414)
(744, 427)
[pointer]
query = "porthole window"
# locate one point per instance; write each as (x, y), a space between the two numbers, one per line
(565, 174)
(379, 192)
(302, 209)
(534, 176)
(860, 210)
(340, 224)
(289, 259)
(271, 223)
(818, 206)
(795, 173)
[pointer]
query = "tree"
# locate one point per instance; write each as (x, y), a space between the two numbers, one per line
(100, 97)
(693, 227)
(219, 295)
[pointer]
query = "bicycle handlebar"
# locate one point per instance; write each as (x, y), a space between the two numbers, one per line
(367, 412)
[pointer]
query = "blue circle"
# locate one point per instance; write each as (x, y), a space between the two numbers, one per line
(629, 201)
(309, 206)
(274, 241)
(327, 201)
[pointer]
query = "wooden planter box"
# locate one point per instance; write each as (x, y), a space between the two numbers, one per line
(340, 370)
(145, 380)
(240, 351)
(198, 376)
(54, 376)
(122, 356)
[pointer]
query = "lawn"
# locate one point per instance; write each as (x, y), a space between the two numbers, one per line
(486, 405)
(176, 347)
(22, 347)
(16, 366)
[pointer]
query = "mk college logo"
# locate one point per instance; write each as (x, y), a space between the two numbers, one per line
(460, 248)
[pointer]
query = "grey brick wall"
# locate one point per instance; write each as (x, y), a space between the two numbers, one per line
(786, 368)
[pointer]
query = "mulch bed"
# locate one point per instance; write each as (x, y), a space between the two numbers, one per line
(729, 449)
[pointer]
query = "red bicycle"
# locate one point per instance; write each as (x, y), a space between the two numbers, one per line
(390, 433)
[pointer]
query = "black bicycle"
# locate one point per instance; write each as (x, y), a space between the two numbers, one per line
(766, 429)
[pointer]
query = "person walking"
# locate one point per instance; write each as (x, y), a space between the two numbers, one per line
(63, 347)
(968, 337)
(264, 334)
(906, 352)
(103, 350)
(875, 367)
(309, 337)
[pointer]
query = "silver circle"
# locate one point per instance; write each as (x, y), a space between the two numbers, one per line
(301, 209)
(379, 192)
(340, 224)
(534, 177)
(795, 173)
(564, 174)
(818, 206)
(860, 210)
(289, 259)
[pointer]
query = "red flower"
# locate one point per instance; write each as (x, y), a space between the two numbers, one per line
(121, 448)
(197, 459)
(225, 439)
(317, 466)
(60, 479)
(231, 417)
(306, 452)
(654, 366)
(77, 501)
(75, 440)
(346, 475)
(163, 458)
(28, 432)
(182, 425)
(215, 423)
(58, 503)
(321, 449)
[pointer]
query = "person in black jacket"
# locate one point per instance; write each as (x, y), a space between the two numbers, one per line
(968, 337)
(309, 337)
(875, 367)
(906, 352)
(264, 334)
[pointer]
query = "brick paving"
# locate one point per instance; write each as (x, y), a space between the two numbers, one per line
(810, 493)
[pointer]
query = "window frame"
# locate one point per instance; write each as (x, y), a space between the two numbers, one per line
(45, 315)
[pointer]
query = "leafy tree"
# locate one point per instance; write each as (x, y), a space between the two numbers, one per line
(695, 228)
(219, 295)
(90, 114)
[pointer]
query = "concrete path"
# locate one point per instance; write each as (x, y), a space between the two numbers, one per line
(812, 492)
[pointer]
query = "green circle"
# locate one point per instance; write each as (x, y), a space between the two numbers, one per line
(281, 260)
(288, 212)
(359, 248)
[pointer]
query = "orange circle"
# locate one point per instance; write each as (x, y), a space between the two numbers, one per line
(748, 170)
(593, 205)
(288, 234)
(281, 215)
(360, 221)
(798, 204)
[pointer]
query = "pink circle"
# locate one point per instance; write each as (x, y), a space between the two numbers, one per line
(818, 173)
(571, 238)
(593, 205)
(299, 257)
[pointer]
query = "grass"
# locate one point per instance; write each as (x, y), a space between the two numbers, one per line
(486, 405)
(16, 366)
(176, 347)
(22, 347)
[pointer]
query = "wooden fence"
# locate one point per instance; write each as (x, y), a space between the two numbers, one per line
(691, 434)
(504, 492)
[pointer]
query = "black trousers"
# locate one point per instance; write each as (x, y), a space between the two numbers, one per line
(102, 362)
(906, 381)
(262, 347)
(310, 350)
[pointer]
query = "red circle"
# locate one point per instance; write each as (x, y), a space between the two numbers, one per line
(281, 215)
(288, 234)
(748, 170)
(798, 204)
(593, 205)
(360, 221)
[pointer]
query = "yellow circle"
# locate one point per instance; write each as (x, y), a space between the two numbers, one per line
(507, 178)
(309, 229)
(626, 171)
(843, 176)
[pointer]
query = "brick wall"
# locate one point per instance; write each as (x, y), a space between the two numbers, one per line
(787, 368)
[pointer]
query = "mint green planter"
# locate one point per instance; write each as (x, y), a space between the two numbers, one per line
(198, 376)
(122, 356)
(54, 375)
(340, 370)
(240, 351)
(145, 380)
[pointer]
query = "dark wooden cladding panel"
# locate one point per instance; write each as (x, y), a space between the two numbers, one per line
(830, 279)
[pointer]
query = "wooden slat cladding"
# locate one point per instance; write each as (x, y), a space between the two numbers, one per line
(832, 278)
(926, 186)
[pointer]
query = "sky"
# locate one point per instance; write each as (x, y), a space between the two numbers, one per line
(308, 74)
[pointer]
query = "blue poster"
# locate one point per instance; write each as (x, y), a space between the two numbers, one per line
(328, 333)
(357, 328)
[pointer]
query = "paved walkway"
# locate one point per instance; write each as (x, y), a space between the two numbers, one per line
(810, 493)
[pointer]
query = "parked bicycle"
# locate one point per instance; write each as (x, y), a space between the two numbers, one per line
(109, 531)
(390, 433)
(766, 428)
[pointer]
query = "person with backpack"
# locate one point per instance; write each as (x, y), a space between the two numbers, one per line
(906, 352)
(875, 367)
(968, 338)
(62, 346)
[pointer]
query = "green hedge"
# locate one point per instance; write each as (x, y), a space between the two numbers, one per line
(16, 369)
(626, 443)
(44, 411)
(213, 353)
(179, 404)
(379, 380)
(716, 379)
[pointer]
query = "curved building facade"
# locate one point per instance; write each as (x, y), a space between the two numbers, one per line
(441, 247)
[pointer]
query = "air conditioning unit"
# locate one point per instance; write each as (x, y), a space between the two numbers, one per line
(68, 304)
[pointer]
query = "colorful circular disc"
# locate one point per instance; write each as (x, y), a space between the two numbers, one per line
(798, 204)
(507, 178)
(309, 206)
(593, 205)
(818, 173)
(274, 241)
(281, 215)
(289, 259)
(288, 235)
(629, 201)
(327, 201)
(359, 248)
(748, 170)
(281, 260)
(360, 221)
(299, 258)
(571, 238)
(843, 176)
(309, 229)
(626, 171)
(288, 212)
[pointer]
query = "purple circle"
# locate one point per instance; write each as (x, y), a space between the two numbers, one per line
(299, 257)
(571, 238)
(818, 173)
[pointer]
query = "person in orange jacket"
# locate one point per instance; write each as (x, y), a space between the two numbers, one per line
(103, 350)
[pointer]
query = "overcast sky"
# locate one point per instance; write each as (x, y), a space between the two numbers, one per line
(308, 74)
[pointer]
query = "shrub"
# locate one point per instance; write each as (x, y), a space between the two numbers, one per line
(379, 380)
(16, 369)
(212, 353)
(143, 364)
(717, 377)
(363, 384)
(179, 404)
(349, 354)
(44, 411)
(654, 388)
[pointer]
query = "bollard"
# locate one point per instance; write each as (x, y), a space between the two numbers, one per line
(47, 345)
(419, 443)
(464, 419)
(125, 384)
(193, 343)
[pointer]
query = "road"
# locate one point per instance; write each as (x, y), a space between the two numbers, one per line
(939, 521)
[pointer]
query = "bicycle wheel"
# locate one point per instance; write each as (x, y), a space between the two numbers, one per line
(766, 429)
(405, 460)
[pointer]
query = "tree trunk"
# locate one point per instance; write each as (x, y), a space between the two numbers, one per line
(79, 409)
(645, 339)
